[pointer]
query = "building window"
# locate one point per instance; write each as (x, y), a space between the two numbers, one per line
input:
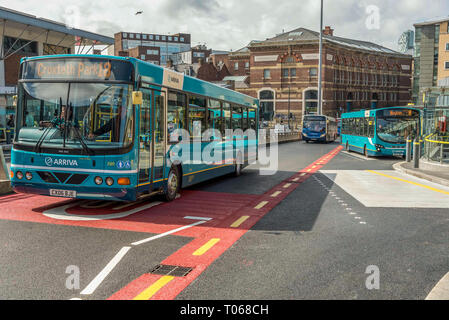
(181, 39)
(157, 37)
(151, 37)
(284, 73)
(163, 38)
(131, 35)
(447, 46)
(313, 72)
(236, 66)
(125, 35)
(137, 36)
(142, 57)
(144, 37)
(266, 98)
(266, 74)
(446, 65)
(176, 39)
(246, 65)
(311, 101)
(292, 72)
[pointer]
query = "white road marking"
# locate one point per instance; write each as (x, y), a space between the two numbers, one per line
(198, 218)
(377, 191)
(441, 290)
(60, 213)
(93, 285)
(356, 156)
(167, 233)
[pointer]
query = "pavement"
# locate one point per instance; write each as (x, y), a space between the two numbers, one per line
(439, 177)
(305, 232)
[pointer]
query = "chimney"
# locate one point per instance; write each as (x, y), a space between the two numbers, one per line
(328, 31)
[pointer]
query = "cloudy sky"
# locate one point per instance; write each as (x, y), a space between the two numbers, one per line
(231, 24)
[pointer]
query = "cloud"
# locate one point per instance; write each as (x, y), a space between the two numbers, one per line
(232, 24)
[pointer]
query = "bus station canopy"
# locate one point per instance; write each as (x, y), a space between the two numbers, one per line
(41, 28)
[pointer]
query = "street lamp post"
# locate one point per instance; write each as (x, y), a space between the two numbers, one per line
(320, 67)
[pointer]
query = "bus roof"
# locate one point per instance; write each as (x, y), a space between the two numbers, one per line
(159, 76)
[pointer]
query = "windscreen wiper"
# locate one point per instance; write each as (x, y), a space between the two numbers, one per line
(81, 140)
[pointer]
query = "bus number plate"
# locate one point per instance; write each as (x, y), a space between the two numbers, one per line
(63, 193)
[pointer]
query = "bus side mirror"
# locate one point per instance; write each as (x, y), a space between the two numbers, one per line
(137, 97)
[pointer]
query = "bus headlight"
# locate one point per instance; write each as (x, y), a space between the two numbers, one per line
(29, 175)
(323, 135)
(98, 180)
(19, 175)
(109, 181)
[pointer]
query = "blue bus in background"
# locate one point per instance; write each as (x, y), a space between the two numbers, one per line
(106, 128)
(380, 132)
(319, 129)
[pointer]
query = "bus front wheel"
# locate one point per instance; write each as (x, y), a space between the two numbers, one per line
(173, 184)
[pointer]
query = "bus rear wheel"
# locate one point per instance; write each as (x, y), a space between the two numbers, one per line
(173, 184)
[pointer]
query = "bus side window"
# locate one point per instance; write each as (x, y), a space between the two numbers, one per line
(245, 119)
(252, 119)
(214, 116)
(197, 116)
(176, 115)
(227, 116)
(236, 117)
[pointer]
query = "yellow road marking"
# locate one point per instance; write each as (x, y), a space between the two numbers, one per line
(206, 247)
(411, 182)
(303, 174)
(154, 288)
(296, 179)
(287, 185)
(274, 195)
(239, 222)
(261, 205)
(308, 170)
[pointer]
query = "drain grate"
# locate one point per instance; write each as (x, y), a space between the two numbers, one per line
(175, 271)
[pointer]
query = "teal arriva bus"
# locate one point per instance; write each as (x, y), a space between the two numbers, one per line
(319, 128)
(121, 129)
(379, 132)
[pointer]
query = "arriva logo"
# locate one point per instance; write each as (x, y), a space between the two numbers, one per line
(60, 162)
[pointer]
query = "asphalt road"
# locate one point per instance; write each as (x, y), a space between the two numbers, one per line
(314, 244)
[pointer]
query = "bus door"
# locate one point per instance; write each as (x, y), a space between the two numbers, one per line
(159, 135)
(152, 138)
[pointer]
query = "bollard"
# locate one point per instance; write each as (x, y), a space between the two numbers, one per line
(408, 151)
(416, 154)
(4, 174)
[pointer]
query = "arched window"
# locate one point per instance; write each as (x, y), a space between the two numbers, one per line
(311, 101)
(266, 98)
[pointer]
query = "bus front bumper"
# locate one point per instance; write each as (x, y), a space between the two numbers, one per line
(92, 193)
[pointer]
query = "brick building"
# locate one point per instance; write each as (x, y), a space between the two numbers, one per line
(283, 74)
